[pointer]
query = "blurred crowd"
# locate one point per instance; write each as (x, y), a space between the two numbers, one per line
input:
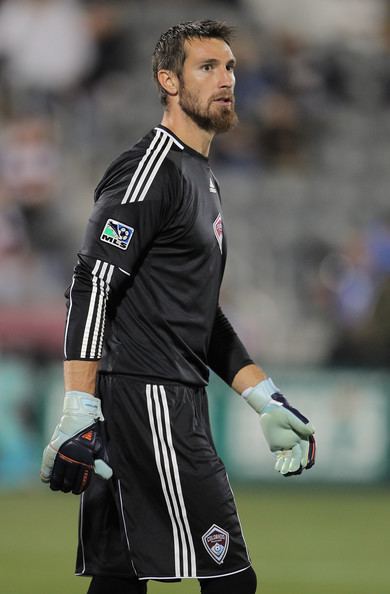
(75, 89)
(53, 54)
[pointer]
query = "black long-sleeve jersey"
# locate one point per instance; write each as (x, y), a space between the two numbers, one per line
(144, 296)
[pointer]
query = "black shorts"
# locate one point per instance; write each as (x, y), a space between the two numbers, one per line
(168, 512)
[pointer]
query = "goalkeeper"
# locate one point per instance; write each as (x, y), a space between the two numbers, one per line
(143, 328)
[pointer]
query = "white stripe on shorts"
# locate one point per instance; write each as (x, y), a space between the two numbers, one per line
(170, 481)
(162, 478)
(177, 480)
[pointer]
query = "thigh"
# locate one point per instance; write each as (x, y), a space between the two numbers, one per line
(102, 545)
(113, 585)
(102, 548)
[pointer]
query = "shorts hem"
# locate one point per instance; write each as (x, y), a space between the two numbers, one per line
(103, 574)
(192, 577)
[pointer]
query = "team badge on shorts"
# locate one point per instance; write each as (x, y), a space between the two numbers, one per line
(216, 542)
(218, 230)
(117, 234)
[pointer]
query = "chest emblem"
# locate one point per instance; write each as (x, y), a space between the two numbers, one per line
(216, 543)
(218, 230)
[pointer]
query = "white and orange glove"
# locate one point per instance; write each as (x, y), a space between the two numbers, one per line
(76, 449)
(289, 434)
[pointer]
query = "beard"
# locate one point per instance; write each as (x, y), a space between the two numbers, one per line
(221, 119)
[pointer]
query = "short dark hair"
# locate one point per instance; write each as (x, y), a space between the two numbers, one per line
(169, 53)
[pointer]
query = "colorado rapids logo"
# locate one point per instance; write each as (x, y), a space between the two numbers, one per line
(218, 230)
(216, 543)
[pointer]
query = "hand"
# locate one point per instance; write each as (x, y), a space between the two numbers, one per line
(289, 434)
(76, 448)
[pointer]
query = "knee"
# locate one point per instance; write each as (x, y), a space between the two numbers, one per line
(244, 582)
(114, 585)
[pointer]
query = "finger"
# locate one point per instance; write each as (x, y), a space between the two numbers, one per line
(286, 462)
(82, 480)
(279, 460)
(312, 452)
(308, 447)
(296, 456)
(57, 475)
(72, 477)
(69, 475)
(48, 458)
(301, 428)
(305, 452)
(103, 469)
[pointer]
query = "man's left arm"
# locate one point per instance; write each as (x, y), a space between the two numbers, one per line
(289, 434)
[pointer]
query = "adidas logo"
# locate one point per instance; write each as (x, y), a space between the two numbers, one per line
(212, 187)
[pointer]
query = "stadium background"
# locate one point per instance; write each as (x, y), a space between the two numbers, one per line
(305, 181)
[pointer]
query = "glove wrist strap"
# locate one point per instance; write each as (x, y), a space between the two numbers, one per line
(78, 393)
(259, 396)
(82, 403)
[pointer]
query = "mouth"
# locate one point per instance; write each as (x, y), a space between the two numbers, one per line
(223, 100)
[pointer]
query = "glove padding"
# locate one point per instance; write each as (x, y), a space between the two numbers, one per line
(289, 434)
(76, 448)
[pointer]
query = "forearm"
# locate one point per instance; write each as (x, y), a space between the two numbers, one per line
(248, 377)
(226, 355)
(80, 376)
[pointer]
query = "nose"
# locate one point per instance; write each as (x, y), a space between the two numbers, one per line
(226, 79)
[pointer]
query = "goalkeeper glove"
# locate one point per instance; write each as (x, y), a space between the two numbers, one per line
(289, 434)
(76, 448)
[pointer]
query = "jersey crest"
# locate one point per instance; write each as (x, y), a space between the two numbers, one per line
(218, 230)
(216, 543)
(117, 234)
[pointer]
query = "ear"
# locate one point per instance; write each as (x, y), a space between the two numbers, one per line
(169, 82)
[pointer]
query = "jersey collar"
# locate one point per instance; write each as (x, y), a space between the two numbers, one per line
(180, 143)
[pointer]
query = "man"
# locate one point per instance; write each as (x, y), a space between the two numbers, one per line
(143, 327)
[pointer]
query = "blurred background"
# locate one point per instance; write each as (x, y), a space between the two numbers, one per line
(305, 181)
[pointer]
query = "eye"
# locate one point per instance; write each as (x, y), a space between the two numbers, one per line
(207, 67)
(230, 67)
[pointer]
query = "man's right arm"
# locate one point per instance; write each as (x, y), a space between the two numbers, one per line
(76, 449)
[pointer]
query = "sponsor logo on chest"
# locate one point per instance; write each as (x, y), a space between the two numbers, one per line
(117, 234)
(216, 543)
(218, 230)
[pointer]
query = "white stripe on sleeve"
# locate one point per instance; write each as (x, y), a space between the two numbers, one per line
(141, 165)
(155, 170)
(149, 165)
(101, 278)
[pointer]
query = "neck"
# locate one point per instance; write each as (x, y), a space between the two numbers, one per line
(189, 132)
